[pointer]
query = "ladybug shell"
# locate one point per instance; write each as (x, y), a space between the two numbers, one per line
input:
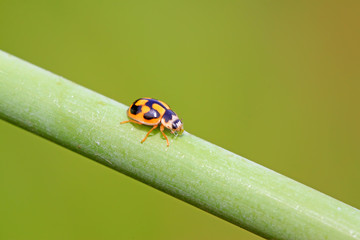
(147, 111)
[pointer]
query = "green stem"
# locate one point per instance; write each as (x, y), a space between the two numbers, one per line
(196, 171)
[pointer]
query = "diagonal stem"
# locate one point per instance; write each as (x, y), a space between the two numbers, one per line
(196, 171)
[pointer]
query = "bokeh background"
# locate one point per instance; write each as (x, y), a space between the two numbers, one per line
(274, 81)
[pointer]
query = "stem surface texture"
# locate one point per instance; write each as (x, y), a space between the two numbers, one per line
(191, 169)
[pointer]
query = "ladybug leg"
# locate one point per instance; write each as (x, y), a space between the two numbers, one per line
(162, 131)
(133, 121)
(149, 133)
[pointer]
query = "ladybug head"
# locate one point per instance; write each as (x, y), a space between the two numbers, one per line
(177, 127)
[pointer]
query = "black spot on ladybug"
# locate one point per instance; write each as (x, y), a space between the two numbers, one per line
(135, 109)
(151, 114)
(151, 102)
(168, 115)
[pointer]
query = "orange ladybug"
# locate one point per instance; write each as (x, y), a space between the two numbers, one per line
(152, 112)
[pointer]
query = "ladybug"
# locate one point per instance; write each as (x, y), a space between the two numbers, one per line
(152, 112)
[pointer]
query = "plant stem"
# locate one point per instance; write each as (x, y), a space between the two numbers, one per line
(191, 169)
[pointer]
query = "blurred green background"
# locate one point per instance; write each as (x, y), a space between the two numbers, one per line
(276, 82)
